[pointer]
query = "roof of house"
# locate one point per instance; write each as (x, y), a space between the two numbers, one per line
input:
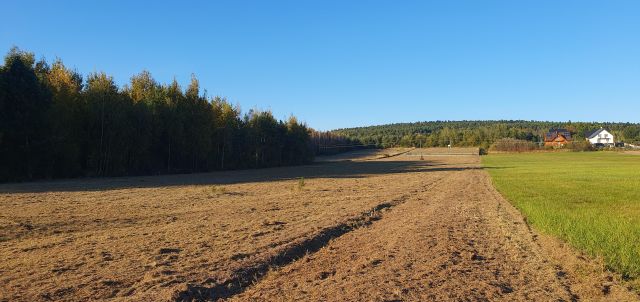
(554, 133)
(556, 138)
(594, 133)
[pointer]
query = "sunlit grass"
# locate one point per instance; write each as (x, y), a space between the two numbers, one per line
(591, 200)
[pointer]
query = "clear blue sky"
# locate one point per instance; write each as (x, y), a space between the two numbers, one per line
(353, 63)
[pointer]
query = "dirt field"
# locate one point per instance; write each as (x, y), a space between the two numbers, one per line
(382, 229)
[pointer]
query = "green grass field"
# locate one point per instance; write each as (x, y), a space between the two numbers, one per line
(590, 199)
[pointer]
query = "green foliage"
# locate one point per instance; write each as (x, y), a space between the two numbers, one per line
(52, 124)
(300, 183)
(580, 146)
(475, 133)
(589, 199)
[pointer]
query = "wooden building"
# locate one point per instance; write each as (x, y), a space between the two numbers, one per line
(557, 137)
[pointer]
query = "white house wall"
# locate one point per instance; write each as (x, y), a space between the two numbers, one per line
(600, 139)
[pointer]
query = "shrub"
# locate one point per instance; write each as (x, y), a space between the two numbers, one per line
(579, 146)
(513, 145)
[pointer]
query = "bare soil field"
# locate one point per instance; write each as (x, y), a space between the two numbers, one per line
(388, 228)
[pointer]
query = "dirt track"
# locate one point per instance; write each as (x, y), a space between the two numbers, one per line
(392, 229)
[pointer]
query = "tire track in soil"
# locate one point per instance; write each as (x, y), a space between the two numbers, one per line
(457, 242)
(248, 276)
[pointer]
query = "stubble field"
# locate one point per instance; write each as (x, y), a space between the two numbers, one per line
(371, 227)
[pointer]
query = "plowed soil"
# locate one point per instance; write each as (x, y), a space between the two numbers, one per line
(382, 229)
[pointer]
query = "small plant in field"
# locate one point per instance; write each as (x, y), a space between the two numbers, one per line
(300, 183)
(215, 190)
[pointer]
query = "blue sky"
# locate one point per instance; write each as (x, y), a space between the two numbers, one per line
(339, 64)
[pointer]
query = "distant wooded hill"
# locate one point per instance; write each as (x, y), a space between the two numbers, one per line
(476, 133)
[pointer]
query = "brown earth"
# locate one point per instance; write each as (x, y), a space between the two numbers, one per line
(383, 229)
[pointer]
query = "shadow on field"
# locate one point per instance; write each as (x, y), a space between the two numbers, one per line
(343, 169)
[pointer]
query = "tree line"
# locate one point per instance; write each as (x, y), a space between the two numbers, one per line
(328, 143)
(56, 123)
(481, 134)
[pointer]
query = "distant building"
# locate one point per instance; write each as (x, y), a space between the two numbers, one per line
(600, 137)
(557, 137)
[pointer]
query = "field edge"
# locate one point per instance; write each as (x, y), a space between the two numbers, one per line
(587, 274)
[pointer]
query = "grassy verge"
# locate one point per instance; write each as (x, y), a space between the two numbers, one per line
(591, 200)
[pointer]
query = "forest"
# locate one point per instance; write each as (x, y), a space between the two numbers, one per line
(55, 123)
(482, 134)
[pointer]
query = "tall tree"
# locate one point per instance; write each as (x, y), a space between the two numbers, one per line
(105, 114)
(24, 134)
(67, 118)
